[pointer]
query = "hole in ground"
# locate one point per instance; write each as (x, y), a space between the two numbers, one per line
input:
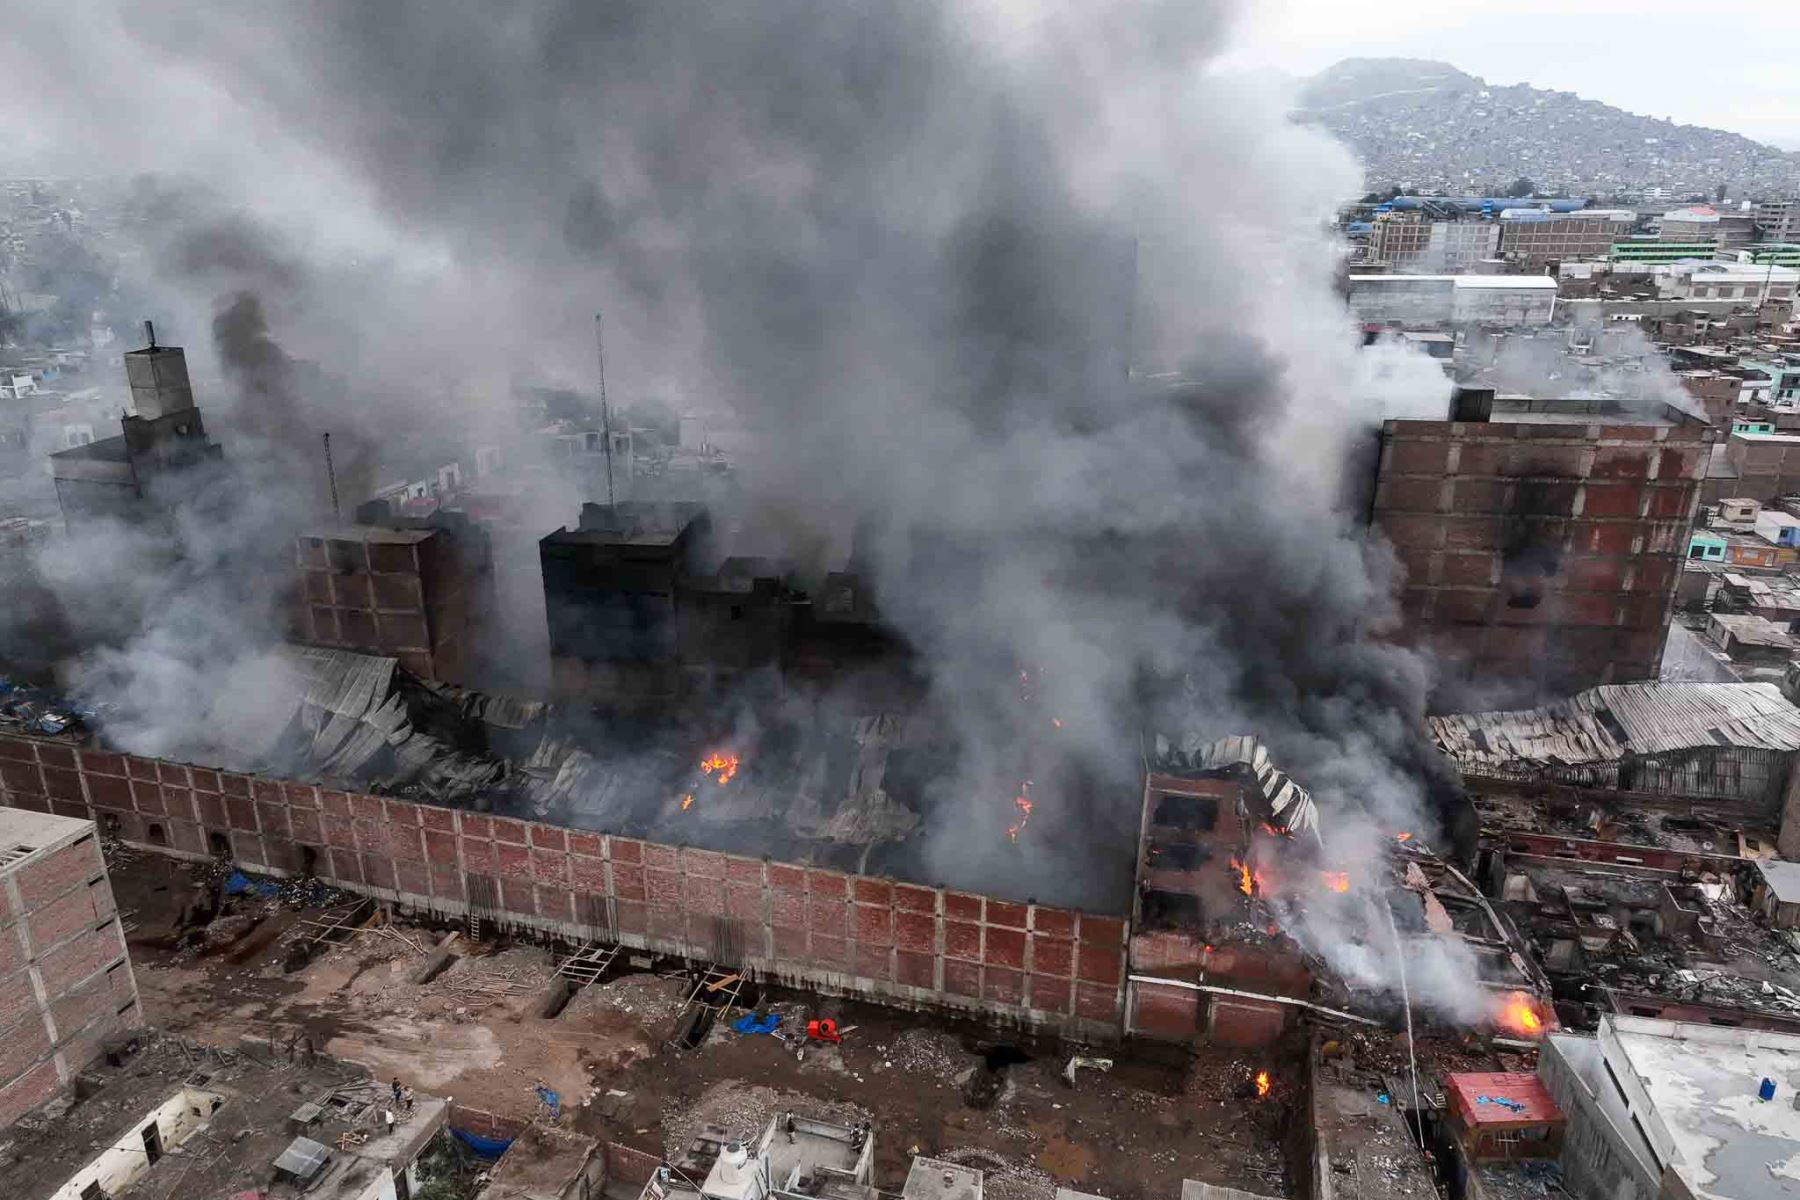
(985, 1085)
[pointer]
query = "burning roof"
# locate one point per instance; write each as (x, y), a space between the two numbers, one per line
(1287, 806)
(801, 779)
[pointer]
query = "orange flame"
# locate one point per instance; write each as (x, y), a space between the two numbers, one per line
(1337, 881)
(725, 764)
(1520, 1015)
(687, 801)
(1403, 837)
(1022, 802)
(1245, 882)
(1262, 1083)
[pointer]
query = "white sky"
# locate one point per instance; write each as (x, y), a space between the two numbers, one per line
(1730, 64)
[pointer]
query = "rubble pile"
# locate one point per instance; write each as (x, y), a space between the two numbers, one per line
(927, 1054)
(742, 1110)
(650, 1000)
(39, 710)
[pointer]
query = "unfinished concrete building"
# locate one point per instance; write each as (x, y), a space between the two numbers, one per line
(66, 987)
(1542, 540)
(417, 590)
(132, 476)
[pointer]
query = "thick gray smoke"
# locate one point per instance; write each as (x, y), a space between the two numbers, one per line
(1615, 362)
(1018, 289)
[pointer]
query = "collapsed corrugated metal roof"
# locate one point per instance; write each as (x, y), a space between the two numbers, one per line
(354, 725)
(1610, 722)
(1290, 806)
(364, 722)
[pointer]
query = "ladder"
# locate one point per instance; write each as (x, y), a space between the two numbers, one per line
(589, 962)
(715, 993)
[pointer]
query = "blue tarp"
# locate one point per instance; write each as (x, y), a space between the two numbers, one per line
(748, 1023)
(485, 1147)
(551, 1100)
(237, 883)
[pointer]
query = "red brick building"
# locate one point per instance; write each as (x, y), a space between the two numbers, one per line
(1542, 541)
(417, 594)
(1194, 972)
(65, 981)
(1036, 965)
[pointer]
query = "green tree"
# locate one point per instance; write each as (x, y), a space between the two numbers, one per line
(1520, 189)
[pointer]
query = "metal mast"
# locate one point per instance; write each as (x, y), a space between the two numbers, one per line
(605, 412)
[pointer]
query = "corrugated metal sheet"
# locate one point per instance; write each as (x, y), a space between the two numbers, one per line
(1783, 879)
(1610, 723)
(1291, 806)
(1679, 716)
(354, 731)
(1193, 1189)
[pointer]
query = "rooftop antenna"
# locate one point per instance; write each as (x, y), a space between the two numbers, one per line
(337, 517)
(605, 412)
(150, 335)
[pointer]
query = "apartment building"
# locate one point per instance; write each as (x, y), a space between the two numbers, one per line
(1408, 242)
(1778, 220)
(1533, 239)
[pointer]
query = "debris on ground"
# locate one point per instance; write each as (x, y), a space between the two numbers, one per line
(652, 1000)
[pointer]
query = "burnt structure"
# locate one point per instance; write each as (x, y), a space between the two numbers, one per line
(610, 598)
(1630, 833)
(1050, 967)
(1542, 540)
(415, 589)
(1231, 865)
(1195, 916)
(128, 477)
(645, 609)
(1718, 751)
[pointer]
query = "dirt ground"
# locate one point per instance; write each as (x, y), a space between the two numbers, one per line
(963, 1092)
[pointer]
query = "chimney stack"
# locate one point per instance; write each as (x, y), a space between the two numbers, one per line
(1473, 405)
(158, 377)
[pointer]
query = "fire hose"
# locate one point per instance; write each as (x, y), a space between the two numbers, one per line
(1222, 991)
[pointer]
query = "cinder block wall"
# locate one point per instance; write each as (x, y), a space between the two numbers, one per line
(65, 981)
(1050, 968)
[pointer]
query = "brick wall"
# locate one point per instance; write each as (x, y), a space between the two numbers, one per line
(1045, 967)
(482, 1123)
(626, 1164)
(65, 983)
(1767, 466)
(406, 593)
(1545, 552)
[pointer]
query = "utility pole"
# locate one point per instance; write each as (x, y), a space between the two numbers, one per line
(605, 412)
